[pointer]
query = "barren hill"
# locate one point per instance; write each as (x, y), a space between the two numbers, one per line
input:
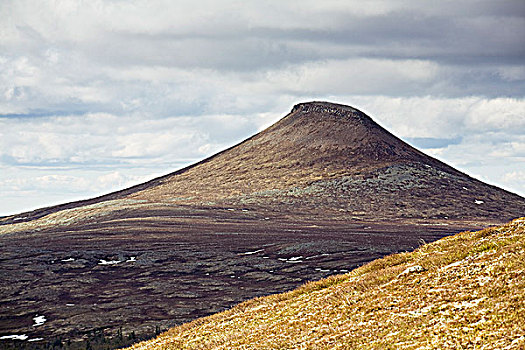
(320, 154)
(321, 192)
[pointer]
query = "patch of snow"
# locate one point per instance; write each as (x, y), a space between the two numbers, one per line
(478, 202)
(245, 210)
(266, 257)
(109, 262)
(253, 252)
(68, 260)
(295, 258)
(70, 304)
(39, 320)
(344, 270)
(316, 256)
(321, 270)
(35, 339)
(131, 259)
(266, 218)
(428, 166)
(466, 189)
(412, 269)
(14, 337)
(230, 209)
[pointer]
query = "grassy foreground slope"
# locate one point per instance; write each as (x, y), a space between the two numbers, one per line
(463, 291)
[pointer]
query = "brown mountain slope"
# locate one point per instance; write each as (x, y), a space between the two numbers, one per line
(320, 156)
(462, 292)
(330, 155)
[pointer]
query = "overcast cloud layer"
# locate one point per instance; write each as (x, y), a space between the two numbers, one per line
(99, 95)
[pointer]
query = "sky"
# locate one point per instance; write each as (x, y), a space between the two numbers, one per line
(96, 96)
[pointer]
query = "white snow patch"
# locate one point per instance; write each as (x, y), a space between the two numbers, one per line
(245, 210)
(321, 270)
(315, 256)
(39, 320)
(70, 304)
(230, 209)
(478, 202)
(35, 339)
(253, 252)
(466, 189)
(109, 262)
(131, 259)
(14, 337)
(68, 260)
(266, 257)
(295, 260)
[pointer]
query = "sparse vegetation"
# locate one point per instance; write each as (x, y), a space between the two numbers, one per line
(468, 291)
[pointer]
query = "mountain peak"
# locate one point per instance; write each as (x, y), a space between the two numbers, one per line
(324, 107)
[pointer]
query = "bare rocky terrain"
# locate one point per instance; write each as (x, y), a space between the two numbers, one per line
(322, 191)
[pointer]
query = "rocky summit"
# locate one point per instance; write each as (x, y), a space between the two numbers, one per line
(321, 192)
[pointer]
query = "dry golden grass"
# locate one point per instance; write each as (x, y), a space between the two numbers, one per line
(463, 291)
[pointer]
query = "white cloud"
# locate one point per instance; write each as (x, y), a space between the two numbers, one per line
(446, 117)
(513, 176)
